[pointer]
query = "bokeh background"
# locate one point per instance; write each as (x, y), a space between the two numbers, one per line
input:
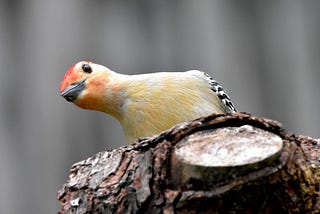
(265, 54)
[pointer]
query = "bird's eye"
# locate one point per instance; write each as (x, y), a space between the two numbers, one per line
(87, 68)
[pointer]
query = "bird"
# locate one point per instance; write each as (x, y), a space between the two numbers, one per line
(144, 104)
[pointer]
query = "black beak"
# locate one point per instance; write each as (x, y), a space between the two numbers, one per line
(72, 92)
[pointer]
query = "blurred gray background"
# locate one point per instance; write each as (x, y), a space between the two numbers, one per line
(264, 53)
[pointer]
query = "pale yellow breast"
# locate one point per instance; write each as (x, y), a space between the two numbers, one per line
(156, 103)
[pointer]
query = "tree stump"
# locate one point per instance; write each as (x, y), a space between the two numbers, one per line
(233, 163)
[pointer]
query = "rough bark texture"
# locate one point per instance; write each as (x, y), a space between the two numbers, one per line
(141, 178)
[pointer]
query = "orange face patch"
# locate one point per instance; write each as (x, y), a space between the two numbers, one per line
(94, 95)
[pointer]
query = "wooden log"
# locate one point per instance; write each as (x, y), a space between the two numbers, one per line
(233, 163)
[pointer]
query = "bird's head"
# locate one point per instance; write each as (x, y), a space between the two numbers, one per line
(89, 86)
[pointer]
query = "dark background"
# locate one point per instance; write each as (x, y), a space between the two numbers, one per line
(265, 54)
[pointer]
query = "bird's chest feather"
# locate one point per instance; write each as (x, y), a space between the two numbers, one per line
(146, 118)
(153, 108)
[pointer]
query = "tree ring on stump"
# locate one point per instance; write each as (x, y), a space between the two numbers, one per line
(207, 157)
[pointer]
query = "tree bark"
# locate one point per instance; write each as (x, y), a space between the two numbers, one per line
(233, 163)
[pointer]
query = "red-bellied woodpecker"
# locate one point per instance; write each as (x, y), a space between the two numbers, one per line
(144, 104)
